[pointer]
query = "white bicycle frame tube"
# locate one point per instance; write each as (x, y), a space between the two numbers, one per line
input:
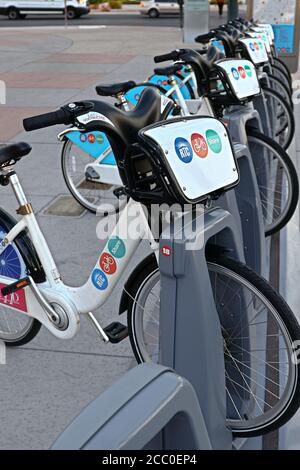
(91, 295)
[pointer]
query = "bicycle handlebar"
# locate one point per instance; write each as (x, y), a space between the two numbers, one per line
(174, 55)
(65, 115)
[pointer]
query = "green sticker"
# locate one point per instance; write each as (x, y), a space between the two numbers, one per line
(248, 70)
(116, 247)
(213, 141)
(100, 139)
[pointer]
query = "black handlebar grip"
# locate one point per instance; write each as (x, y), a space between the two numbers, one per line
(45, 120)
(174, 55)
(204, 37)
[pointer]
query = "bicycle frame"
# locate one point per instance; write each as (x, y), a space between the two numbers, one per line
(38, 300)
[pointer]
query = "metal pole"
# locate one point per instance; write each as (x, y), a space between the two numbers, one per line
(66, 13)
(233, 9)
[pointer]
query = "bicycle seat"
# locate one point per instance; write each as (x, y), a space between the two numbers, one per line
(128, 123)
(115, 88)
(13, 152)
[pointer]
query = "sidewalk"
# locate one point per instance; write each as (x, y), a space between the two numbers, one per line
(46, 383)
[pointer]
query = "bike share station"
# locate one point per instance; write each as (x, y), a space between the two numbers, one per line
(181, 403)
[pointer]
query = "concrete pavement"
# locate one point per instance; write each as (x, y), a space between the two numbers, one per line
(46, 383)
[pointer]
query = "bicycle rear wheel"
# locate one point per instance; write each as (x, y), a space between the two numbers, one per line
(259, 330)
(16, 328)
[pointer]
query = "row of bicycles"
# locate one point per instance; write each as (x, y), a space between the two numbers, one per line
(168, 141)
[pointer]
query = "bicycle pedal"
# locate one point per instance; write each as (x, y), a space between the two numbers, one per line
(116, 332)
(20, 284)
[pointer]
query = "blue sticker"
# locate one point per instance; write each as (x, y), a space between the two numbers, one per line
(235, 73)
(82, 138)
(99, 279)
(252, 47)
(183, 149)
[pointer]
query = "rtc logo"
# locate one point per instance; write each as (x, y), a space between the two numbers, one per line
(183, 149)
(99, 279)
(242, 72)
(199, 145)
(107, 263)
(235, 73)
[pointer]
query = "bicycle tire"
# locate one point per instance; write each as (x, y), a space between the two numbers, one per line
(271, 297)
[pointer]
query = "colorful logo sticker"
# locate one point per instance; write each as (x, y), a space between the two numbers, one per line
(91, 138)
(165, 82)
(248, 70)
(242, 72)
(137, 96)
(256, 46)
(235, 73)
(15, 299)
(159, 82)
(183, 149)
(252, 47)
(100, 139)
(214, 141)
(82, 138)
(116, 247)
(99, 279)
(107, 263)
(166, 251)
(199, 145)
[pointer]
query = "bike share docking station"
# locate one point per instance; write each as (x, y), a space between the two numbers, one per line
(181, 403)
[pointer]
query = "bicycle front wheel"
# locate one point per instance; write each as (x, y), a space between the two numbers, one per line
(281, 117)
(261, 380)
(96, 197)
(277, 181)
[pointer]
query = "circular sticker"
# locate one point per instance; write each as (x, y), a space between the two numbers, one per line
(107, 263)
(100, 139)
(137, 97)
(91, 138)
(252, 46)
(248, 70)
(213, 140)
(116, 247)
(165, 82)
(256, 46)
(242, 72)
(199, 145)
(82, 138)
(183, 149)
(235, 73)
(99, 279)
(159, 82)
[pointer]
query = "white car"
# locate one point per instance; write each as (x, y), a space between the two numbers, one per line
(16, 9)
(154, 9)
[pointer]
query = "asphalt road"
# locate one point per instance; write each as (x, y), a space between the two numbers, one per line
(122, 19)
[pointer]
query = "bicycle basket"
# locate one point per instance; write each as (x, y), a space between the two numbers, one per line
(254, 50)
(183, 160)
(238, 77)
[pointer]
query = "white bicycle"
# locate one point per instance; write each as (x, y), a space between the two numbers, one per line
(161, 163)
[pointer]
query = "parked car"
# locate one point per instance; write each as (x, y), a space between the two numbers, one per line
(154, 8)
(16, 9)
